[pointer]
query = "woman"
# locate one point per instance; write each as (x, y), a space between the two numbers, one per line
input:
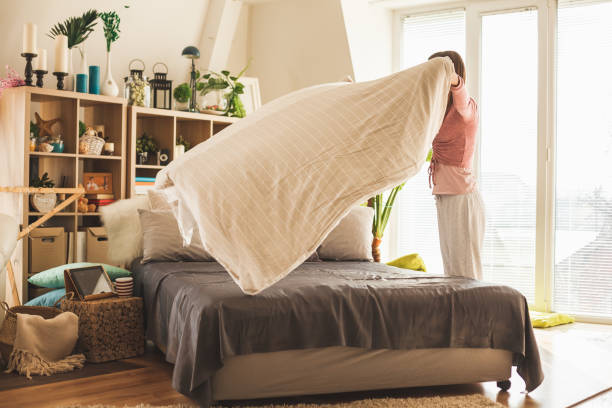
(461, 219)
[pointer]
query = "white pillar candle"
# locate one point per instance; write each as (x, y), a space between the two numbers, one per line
(61, 53)
(29, 38)
(41, 61)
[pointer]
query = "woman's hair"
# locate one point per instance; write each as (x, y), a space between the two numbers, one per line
(459, 68)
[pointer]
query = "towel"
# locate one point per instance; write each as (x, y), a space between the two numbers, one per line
(41, 346)
(266, 191)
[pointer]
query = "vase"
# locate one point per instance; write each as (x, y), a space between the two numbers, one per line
(109, 86)
(43, 202)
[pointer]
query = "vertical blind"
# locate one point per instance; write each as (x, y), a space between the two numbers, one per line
(415, 208)
(583, 216)
(508, 147)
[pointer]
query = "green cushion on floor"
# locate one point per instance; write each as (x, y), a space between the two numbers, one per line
(541, 319)
(54, 277)
(412, 261)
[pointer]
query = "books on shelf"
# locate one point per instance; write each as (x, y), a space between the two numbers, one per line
(100, 200)
(143, 184)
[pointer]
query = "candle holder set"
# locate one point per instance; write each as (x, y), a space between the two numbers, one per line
(30, 52)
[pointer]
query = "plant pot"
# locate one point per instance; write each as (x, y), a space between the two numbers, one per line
(43, 202)
(179, 150)
(181, 106)
(109, 86)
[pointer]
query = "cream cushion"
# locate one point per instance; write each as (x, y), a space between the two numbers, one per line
(351, 240)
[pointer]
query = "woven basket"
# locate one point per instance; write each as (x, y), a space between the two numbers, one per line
(90, 143)
(9, 327)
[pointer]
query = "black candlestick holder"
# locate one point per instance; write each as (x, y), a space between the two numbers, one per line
(60, 79)
(39, 77)
(28, 68)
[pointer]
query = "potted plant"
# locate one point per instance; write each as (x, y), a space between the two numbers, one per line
(229, 103)
(145, 145)
(43, 202)
(111, 22)
(182, 95)
(381, 218)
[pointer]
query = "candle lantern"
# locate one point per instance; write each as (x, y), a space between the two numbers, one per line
(161, 88)
(137, 86)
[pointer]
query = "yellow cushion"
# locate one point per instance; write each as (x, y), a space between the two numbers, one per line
(412, 261)
(541, 319)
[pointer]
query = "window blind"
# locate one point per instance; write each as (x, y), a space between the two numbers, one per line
(508, 147)
(415, 209)
(583, 217)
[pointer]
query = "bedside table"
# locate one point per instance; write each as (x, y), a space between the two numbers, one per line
(110, 328)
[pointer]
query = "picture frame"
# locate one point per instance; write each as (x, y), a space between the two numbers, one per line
(98, 183)
(88, 283)
(251, 99)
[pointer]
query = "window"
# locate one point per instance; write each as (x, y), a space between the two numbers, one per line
(415, 208)
(508, 147)
(583, 217)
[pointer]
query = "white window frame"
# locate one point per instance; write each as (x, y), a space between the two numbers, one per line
(547, 15)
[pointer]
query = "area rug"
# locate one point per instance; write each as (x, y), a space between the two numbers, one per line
(459, 401)
(14, 380)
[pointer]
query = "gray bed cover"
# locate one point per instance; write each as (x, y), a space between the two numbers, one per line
(201, 317)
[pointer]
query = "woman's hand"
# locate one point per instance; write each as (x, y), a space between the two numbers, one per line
(454, 79)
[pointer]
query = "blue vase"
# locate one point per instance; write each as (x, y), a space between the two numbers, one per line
(94, 79)
(81, 83)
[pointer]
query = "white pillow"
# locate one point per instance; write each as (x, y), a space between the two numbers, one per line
(351, 240)
(123, 228)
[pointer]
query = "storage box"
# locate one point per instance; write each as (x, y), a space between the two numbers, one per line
(97, 245)
(47, 248)
(109, 329)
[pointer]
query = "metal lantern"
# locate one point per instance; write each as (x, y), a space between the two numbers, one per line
(161, 88)
(137, 88)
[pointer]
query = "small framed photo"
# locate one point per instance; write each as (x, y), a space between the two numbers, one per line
(98, 183)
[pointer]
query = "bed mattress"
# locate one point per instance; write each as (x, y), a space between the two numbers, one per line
(202, 319)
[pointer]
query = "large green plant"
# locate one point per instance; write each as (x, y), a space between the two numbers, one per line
(77, 29)
(382, 212)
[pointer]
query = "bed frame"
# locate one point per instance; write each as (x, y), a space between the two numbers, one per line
(345, 369)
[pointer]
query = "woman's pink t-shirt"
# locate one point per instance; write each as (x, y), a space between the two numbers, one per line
(453, 147)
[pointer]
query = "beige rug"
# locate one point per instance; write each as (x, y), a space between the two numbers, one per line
(460, 401)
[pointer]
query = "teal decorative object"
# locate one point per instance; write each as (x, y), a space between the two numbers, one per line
(54, 277)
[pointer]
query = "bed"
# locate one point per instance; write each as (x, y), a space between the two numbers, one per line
(332, 327)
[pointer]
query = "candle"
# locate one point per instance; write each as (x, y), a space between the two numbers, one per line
(61, 53)
(40, 63)
(29, 38)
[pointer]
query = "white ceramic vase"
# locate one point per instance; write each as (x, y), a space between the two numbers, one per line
(109, 86)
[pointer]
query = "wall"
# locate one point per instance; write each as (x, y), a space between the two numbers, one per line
(149, 31)
(369, 30)
(297, 43)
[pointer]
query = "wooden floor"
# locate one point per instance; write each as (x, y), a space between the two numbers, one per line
(577, 361)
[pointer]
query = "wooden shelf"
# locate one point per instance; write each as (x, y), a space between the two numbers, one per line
(45, 154)
(98, 157)
(59, 214)
(149, 166)
(45, 94)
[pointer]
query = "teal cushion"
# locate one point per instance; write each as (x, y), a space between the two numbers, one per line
(48, 299)
(54, 277)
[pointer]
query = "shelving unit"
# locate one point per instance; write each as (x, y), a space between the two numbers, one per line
(165, 126)
(65, 169)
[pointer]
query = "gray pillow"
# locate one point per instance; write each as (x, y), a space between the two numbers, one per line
(162, 240)
(351, 240)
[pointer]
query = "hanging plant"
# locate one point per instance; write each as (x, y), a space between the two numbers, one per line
(77, 29)
(111, 22)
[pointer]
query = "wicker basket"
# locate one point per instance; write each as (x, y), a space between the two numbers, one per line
(9, 327)
(109, 329)
(90, 143)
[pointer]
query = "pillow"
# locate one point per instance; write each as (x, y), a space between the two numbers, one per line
(351, 239)
(123, 229)
(47, 299)
(162, 240)
(412, 261)
(54, 277)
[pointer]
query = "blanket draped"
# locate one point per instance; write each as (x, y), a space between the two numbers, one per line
(266, 191)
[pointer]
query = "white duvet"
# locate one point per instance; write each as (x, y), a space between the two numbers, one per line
(266, 191)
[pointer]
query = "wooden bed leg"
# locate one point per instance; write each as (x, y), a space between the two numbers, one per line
(504, 385)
